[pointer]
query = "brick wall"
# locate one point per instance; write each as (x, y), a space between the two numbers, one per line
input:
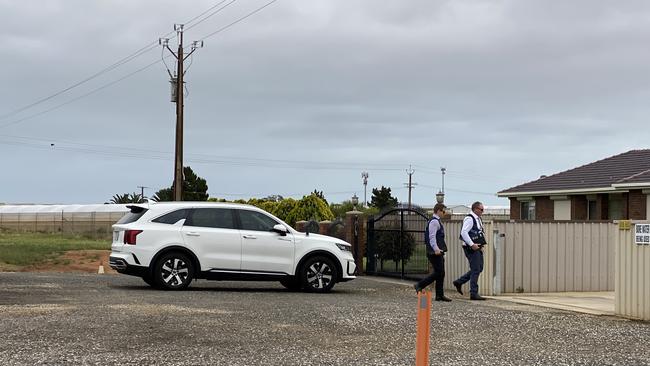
(544, 208)
(636, 205)
(579, 206)
(515, 209)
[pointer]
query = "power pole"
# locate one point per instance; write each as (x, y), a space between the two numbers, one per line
(142, 191)
(365, 176)
(410, 185)
(177, 97)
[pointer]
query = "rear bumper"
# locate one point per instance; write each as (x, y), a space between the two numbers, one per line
(122, 266)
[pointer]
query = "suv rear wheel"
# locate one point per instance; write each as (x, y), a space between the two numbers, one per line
(318, 274)
(173, 271)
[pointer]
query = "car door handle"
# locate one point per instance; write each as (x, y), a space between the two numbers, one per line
(192, 233)
(249, 236)
(285, 239)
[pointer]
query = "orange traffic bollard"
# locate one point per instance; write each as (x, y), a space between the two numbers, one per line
(423, 329)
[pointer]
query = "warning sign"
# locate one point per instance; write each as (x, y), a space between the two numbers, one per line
(642, 234)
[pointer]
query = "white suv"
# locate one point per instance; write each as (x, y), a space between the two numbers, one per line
(169, 244)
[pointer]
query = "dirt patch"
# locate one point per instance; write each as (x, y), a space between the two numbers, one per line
(76, 261)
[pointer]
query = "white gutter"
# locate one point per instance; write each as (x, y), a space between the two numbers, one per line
(631, 185)
(560, 192)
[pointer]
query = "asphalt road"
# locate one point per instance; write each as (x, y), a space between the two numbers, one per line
(61, 319)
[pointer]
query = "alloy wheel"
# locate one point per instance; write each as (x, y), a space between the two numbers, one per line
(175, 272)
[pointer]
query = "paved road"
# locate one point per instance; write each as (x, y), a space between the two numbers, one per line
(59, 319)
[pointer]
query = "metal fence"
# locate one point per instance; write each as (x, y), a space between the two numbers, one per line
(395, 244)
(632, 295)
(92, 224)
(555, 256)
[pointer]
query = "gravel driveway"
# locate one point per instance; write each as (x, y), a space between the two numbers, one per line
(57, 319)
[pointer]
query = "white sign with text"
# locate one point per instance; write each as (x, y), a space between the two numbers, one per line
(642, 234)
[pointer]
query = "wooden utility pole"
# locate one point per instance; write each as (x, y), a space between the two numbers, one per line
(410, 185)
(178, 162)
(178, 86)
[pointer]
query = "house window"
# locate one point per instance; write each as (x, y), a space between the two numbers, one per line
(528, 210)
(615, 206)
(591, 210)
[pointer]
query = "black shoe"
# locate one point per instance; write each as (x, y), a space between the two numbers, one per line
(417, 288)
(459, 287)
(442, 298)
(477, 297)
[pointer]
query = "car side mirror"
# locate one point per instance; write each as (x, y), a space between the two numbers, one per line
(280, 229)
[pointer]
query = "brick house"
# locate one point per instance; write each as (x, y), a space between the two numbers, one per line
(614, 188)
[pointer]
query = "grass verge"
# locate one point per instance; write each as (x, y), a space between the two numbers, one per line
(25, 249)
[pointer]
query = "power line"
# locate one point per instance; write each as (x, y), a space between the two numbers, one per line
(167, 156)
(79, 97)
(265, 161)
(113, 66)
(238, 20)
(209, 15)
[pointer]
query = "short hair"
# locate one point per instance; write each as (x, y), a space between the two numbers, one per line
(475, 205)
(439, 207)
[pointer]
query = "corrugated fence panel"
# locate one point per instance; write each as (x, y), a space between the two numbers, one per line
(556, 256)
(632, 295)
(456, 264)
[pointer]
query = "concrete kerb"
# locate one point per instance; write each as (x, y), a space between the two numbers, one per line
(598, 303)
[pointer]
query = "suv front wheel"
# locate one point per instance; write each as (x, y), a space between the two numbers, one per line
(318, 274)
(173, 271)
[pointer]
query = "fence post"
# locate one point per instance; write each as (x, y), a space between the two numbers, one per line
(324, 227)
(499, 239)
(370, 248)
(353, 229)
(401, 247)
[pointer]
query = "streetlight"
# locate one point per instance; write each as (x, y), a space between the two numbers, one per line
(440, 197)
(355, 201)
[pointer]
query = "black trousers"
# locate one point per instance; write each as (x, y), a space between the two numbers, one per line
(437, 275)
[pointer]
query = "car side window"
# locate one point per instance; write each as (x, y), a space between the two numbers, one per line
(255, 221)
(220, 218)
(172, 217)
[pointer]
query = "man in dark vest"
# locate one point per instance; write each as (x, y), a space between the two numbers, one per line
(434, 237)
(471, 234)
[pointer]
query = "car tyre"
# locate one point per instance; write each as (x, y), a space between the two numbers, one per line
(291, 283)
(173, 271)
(318, 274)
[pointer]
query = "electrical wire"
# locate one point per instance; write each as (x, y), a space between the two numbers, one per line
(238, 20)
(148, 47)
(115, 65)
(80, 97)
(209, 15)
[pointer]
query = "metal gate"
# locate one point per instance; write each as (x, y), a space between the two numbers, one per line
(396, 245)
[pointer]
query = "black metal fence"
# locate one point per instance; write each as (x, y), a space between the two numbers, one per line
(396, 245)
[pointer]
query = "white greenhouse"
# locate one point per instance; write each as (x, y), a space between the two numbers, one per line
(94, 220)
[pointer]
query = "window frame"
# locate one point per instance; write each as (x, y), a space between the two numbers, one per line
(169, 213)
(241, 225)
(189, 221)
(525, 214)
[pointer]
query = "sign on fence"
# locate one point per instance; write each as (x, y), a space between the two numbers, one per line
(642, 234)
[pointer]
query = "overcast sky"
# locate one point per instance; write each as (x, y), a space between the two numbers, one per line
(306, 95)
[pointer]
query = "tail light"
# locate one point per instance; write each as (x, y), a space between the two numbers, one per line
(130, 235)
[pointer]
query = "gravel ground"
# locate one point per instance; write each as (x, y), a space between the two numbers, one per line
(57, 319)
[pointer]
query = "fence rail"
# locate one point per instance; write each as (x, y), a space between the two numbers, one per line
(94, 224)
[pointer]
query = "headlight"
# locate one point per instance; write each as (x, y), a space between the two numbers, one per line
(344, 247)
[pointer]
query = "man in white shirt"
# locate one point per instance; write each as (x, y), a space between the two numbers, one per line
(473, 240)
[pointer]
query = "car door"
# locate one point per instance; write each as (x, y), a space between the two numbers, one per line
(212, 234)
(264, 250)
